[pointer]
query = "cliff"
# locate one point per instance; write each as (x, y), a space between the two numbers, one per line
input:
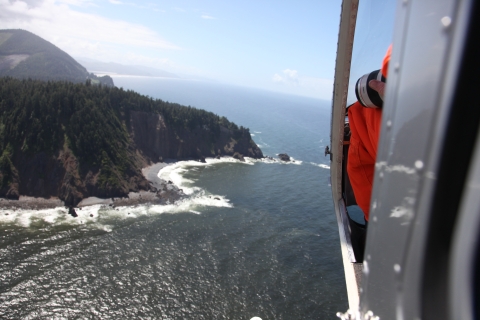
(156, 140)
(71, 141)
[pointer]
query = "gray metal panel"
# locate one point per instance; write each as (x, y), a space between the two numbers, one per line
(419, 89)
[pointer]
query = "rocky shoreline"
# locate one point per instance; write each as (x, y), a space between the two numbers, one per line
(161, 192)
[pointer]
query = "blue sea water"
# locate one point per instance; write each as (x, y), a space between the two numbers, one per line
(268, 247)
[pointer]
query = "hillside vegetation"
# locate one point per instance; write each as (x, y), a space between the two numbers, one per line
(24, 55)
(77, 140)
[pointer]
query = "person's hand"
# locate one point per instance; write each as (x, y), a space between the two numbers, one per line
(378, 86)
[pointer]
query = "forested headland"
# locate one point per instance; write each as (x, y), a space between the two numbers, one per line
(77, 140)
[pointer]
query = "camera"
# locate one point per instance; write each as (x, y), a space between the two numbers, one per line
(368, 97)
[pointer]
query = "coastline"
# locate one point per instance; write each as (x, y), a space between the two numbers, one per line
(161, 192)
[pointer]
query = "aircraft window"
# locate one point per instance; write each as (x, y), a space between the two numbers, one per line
(373, 35)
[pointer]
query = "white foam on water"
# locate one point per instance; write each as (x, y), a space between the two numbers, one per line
(262, 160)
(197, 197)
(56, 216)
(103, 216)
(292, 161)
(257, 131)
(194, 204)
(321, 165)
(175, 172)
(273, 160)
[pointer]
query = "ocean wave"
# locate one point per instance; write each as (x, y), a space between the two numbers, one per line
(262, 160)
(271, 160)
(104, 216)
(175, 171)
(321, 165)
(293, 161)
(262, 145)
(56, 216)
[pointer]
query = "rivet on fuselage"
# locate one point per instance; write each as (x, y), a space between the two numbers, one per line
(419, 164)
(397, 268)
(446, 21)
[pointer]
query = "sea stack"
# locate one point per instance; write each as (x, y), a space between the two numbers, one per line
(284, 157)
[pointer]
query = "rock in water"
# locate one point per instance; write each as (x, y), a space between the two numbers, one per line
(72, 212)
(284, 157)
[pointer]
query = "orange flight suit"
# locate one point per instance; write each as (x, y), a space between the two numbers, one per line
(365, 128)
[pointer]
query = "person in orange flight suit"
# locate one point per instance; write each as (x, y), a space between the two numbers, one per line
(365, 130)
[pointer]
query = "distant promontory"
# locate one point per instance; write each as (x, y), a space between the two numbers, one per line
(24, 55)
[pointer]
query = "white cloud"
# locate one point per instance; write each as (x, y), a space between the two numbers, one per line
(78, 33)
(289, 77)
(293, 82)
(147, 6)
(208, 17)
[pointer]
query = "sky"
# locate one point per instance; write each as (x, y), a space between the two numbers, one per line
(284, 45)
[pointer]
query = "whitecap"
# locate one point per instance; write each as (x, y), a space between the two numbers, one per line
(292, 161)
(56, 216)
(102, 215)
(321, 165)
(271, 160)
(262, 160)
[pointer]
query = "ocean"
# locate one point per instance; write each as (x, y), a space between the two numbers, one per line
(258, 238)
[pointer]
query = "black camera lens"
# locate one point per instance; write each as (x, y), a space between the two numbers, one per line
(367, 96)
